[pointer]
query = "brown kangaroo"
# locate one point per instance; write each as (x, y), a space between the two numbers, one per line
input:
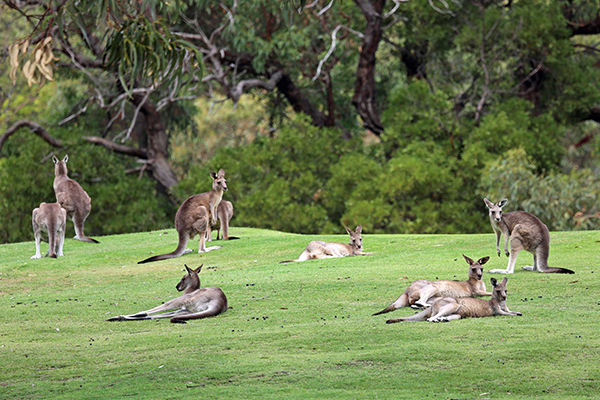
(448, 308)
(49, 221)
(71, 196)
(225, 213)
(318, 249)
(525, 232)
(194, 217)
(419, 292)
(195, 303)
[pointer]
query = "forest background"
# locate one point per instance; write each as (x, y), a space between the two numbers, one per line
(397, 115)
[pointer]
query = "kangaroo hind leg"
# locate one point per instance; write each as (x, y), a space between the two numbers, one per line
(516, 245)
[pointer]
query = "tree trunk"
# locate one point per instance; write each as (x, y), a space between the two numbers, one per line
(158, 147)
(364, 99)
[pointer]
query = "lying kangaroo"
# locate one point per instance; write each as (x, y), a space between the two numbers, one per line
(194, 217)
(195, 303)
(525, 232)
(419, 292)
(49, 221)
(319, 249)
(71, 196)
(225, 213)
(448, 308)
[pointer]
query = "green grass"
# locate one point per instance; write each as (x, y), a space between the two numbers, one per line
(297, 330)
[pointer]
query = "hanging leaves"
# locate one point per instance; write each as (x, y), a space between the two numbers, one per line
(39, 65)
(144, 49)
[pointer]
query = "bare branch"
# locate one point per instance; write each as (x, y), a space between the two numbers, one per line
(117, 148)
(35, 128)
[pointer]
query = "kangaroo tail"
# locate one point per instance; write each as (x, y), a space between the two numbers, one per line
(422, 316)
(402, 301)
(287, 261)
(231, 238)
(87, 239)
(550, 270)
(178, 252)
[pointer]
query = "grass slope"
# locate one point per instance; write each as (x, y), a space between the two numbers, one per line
(297, 330)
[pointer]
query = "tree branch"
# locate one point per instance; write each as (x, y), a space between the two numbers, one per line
(117, 148)
(35, 128)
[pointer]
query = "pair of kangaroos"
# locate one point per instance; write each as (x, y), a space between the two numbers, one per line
(49, 219)
(450, 300)
(195, 217)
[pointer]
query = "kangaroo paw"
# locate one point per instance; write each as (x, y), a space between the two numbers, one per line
(528, 268)
(499, 271)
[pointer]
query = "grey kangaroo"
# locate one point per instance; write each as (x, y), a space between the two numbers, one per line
(195, 303)
(71, 196)
(318, 249)
(225, 213)
(194, 217)
(419, 292)
(49, 221)
(448, 308)
(525, 232)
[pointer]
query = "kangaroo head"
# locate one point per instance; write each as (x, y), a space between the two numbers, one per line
(495, 209)
(355, 237)
(219, 182)
(476, 267)
(60, 167)
(499, 292)
(190, 281)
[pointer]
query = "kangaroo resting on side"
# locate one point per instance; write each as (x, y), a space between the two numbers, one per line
(49, 221)
(194, 217)
(225, 213)
(419, 292)
(448, 308)
(319, 249)
(71, 196)
(195, 303)
(525, 232)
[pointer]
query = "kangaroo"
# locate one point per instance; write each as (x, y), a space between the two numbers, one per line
(225, 213)
(318, 249)
(419, 292)
(71, 196)
(195, 303)
(449, 308)
(194, 217)
(525, 232)
(49, 221)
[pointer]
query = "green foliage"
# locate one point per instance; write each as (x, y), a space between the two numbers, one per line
(561, 201)
(294, 331)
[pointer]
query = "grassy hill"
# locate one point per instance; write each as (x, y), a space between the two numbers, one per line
(297, 330)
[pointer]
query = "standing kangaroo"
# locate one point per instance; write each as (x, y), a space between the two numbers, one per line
(225, 213)
(525, 232)
(194, 217)
(448, 308)
(49, 221)
(419, 292)
(71, 196)
(318, 249)
(195, 303)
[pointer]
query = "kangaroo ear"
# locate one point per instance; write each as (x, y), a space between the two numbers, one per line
(66, 158)
(494, 282)
(502, 203)
(213, 174)
(483, 260)
(348, 230)
(221, 173)
(188, 269)
(359, 229)
(197, 270)
(54, 159)
(504, 281)
(469, 261)
(488, 203)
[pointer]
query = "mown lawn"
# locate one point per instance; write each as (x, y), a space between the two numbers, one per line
(297, 330)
